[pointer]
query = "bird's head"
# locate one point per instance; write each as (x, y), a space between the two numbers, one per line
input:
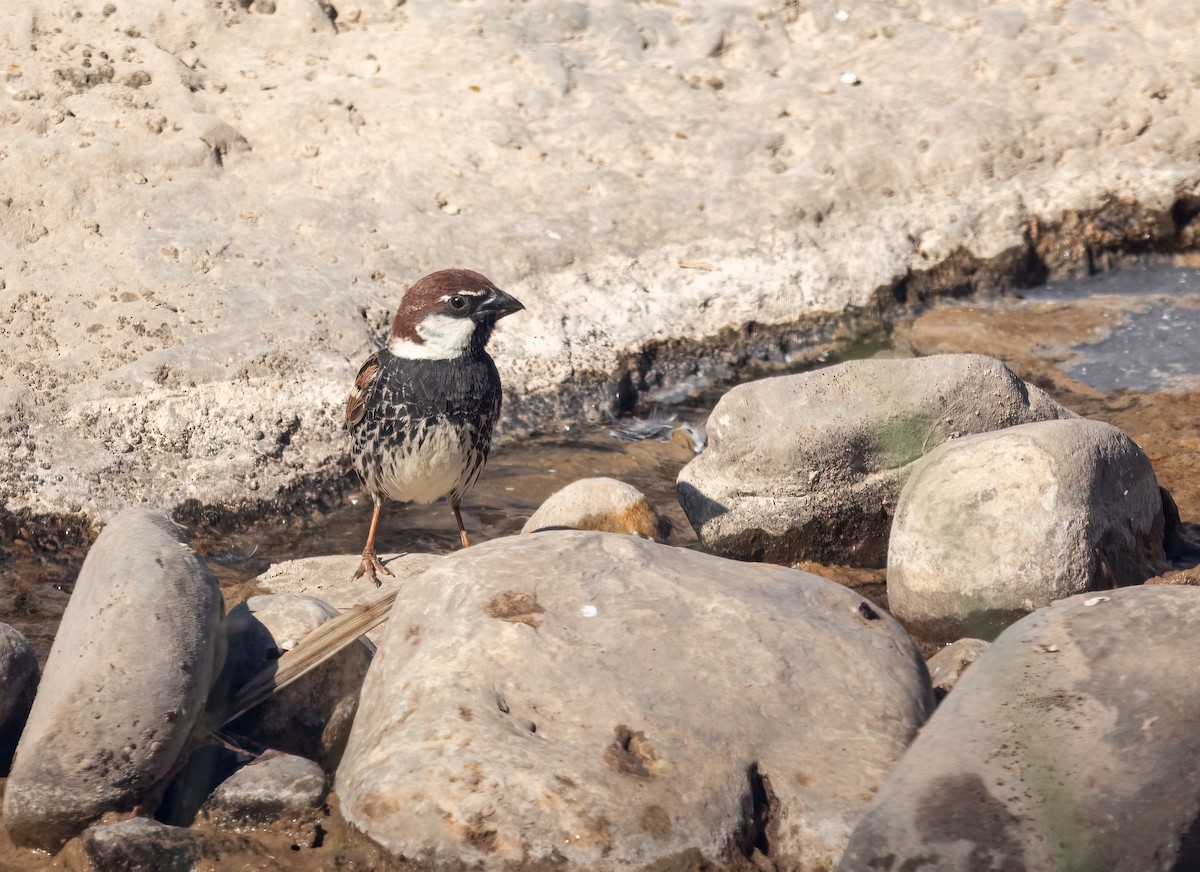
(447, 314)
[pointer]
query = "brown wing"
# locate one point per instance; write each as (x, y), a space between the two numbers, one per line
(356, 403)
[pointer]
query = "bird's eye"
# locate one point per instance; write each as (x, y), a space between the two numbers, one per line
(458, 301)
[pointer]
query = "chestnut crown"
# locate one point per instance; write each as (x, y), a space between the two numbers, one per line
(447, 314)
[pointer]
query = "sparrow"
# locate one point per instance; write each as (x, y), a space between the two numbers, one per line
(422, 408)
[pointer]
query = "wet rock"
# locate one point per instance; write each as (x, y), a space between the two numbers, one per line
(947, 666)
(137, 845)
(125, 681)
(206, 767)
(18, 683)
(1070, 745)
(993, 526)
(809, 467)
(601, 504)
(601, 702)
(312, 716)
(273, 786)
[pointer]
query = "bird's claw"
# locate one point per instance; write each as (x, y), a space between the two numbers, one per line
(370, 566)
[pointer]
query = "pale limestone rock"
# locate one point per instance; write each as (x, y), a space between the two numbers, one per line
(126, 680)
(809, 466)
(200, 341)
(990, 527)
(603, 702)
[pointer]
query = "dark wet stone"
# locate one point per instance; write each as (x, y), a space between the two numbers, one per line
(18, 683)
(139, 845)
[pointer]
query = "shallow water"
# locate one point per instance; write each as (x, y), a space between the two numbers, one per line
(1120, 347)
(518, 478)
(1157, 345)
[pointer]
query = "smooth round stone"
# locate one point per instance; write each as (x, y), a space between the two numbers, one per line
(605, 505)
(993, 526)
(125, 682)
(810, 466)
(1071, 744)
(598, 701)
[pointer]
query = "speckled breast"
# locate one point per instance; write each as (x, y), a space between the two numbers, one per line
(427, 428)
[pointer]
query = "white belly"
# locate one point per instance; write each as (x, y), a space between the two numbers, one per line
(424, 473)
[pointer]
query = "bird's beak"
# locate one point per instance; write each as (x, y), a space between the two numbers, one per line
(497, 306)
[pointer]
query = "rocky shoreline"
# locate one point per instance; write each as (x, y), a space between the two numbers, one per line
(583, 697)
(207, 217)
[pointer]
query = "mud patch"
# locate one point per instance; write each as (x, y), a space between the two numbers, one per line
(631, 753)
(516, 607)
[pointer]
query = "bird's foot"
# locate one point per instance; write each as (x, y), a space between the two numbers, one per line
(370, 566)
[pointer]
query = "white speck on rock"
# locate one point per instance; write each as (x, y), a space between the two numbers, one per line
(589, 611)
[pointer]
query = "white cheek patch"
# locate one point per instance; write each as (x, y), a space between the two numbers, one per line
(444, 336)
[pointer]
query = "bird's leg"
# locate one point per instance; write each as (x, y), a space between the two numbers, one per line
(462, 531)
(370, 564)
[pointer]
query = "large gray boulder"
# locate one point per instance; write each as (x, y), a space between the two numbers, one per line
(1070, 744)
(125, 682)
(597, 701)
(311, 717)
(809, 466)
(990, 527)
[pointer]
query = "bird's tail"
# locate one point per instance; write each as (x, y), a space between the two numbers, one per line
(313, 650)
